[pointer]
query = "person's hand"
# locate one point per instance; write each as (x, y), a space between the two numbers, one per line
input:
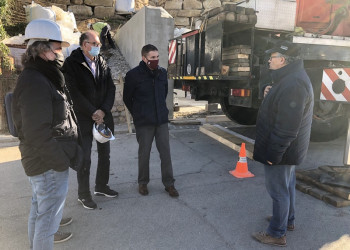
(267, 89)
(98, 116)
(269, 162)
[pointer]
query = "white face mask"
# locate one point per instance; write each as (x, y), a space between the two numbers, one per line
(94, 51)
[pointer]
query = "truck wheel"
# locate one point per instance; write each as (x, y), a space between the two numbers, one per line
(241, 115)
(328, 122)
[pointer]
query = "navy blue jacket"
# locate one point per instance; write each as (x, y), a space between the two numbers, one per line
(145, 93)
(284, 120)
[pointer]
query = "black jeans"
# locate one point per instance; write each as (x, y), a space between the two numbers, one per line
(102, 174)
(144, 136)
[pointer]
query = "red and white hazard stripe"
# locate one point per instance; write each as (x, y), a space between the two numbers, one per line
(172, 51)
(328, 78)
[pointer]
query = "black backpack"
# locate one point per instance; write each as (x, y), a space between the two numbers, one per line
(8, 109)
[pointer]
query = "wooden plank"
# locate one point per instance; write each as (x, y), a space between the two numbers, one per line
(302, 187)
(336, 201)
(229, 139)
(321, 194)
(239, 73)
(239, 69)
(235, 56)
(238, 64)
(228, 51)
(309, 177)
(238, 60)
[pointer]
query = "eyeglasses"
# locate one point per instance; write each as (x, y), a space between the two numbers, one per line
(95, 44)
(273, 57)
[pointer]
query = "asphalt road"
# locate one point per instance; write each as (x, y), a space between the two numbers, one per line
(214, 211)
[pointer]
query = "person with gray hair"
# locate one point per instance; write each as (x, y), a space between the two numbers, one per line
(282, 136)
(47, 130)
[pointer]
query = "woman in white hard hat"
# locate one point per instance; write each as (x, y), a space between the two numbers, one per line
(47, 130)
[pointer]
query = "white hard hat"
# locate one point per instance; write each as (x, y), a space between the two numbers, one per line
(44, 30)
(102, 133)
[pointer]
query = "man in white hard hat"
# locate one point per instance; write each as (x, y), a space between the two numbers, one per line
(47, 130)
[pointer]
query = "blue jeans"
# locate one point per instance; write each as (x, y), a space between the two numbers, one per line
(49, 194)
(280, 184)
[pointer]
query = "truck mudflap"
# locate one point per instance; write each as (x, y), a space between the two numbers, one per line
(336, 85)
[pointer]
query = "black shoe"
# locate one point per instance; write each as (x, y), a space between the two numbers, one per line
(61, 237)
(172, 191)
(66, 221)
(143, 190)
(87, 203)
(106, 191)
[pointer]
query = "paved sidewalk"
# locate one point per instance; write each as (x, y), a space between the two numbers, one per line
(214, 211)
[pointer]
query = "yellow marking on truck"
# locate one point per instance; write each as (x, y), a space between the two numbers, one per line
(9, 154)
(211, 78)
(204, 77)
(189, 78)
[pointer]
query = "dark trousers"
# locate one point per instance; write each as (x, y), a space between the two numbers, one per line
(102, 174)
(144, 136)
(106, 34)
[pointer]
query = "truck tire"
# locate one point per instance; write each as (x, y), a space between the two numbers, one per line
(241, 115)
(328, 130)
(329, 121)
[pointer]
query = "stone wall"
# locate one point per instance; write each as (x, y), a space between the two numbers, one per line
(185, 12)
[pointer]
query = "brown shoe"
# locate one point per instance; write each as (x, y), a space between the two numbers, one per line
(172, 191)
(267, 239)
(143, 190)
(289, 227)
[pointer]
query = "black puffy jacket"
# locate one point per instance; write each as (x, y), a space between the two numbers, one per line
(284, 120)
(44, 120)
(89, 94)
(145, 93)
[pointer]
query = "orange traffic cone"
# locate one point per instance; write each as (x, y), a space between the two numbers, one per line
(241, 170)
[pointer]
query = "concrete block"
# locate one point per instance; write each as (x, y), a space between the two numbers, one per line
(211, 4)
(80, 10)
(102, 12)
(189, 13)
(212, 107)
(173, 5)
(182, 21)
(77, 1)
(192, 5)
(106, 3)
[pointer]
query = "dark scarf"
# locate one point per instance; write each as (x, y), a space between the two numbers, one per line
(49, 69)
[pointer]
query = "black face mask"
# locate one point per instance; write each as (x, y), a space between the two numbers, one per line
(58, 62)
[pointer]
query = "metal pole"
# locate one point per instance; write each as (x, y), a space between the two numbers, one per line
(347, 147)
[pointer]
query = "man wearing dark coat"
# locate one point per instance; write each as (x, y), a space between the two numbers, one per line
(89, 80)
(282, 136)
(145, 91)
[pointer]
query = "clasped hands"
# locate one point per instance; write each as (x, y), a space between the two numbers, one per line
(98, 116)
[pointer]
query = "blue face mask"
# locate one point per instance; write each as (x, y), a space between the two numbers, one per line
(94, 51)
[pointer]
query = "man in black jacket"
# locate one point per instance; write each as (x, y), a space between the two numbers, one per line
(282, 136)
(145, 91)
(89, 80)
